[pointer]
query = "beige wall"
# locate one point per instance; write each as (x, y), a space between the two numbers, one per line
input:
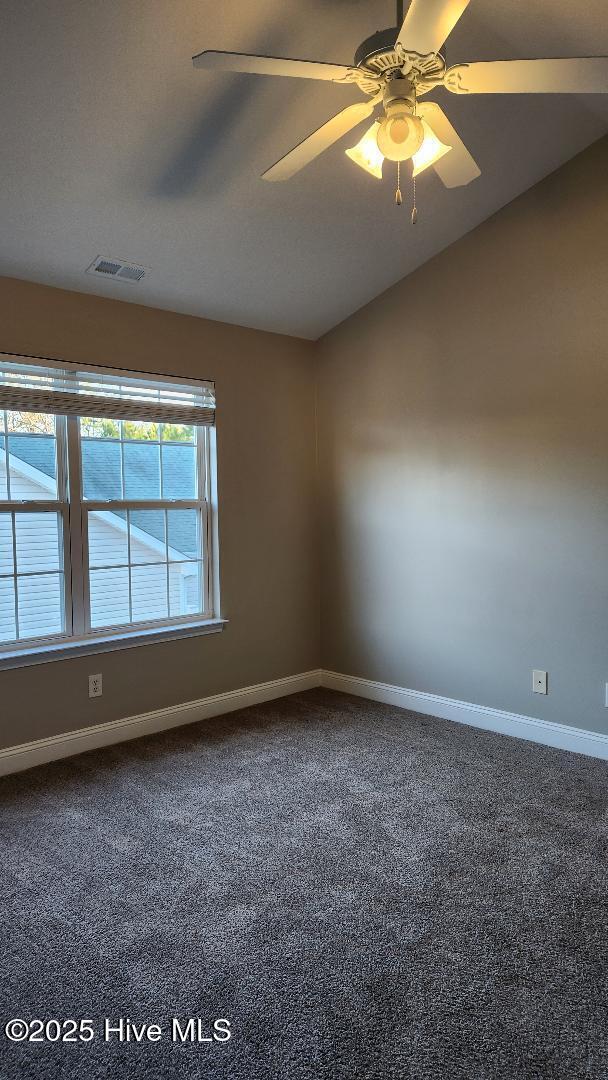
(464, 463)
(267, 508)
(462, 482)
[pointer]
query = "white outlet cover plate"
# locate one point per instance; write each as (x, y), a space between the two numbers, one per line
(95, 686)
(539, 682)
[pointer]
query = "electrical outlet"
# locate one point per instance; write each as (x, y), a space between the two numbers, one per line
(539, 682)
(95, 685)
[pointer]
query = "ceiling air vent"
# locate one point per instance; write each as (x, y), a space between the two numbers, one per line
(112, 268)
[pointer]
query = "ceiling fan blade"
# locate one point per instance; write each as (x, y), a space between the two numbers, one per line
(320, 140)
(458, 167)
(428, 23)
(577, 75)
(274, 65)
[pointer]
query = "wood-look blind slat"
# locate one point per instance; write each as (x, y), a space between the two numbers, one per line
(28, 385)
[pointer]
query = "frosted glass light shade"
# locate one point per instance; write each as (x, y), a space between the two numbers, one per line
(366, 152)
(432, 150)
(400, 135)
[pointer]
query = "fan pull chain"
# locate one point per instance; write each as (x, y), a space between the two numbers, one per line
(398, 195)
(414, 207)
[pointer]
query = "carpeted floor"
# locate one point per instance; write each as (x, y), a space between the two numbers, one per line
(363, 892)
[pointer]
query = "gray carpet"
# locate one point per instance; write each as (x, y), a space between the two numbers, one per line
(363, 892)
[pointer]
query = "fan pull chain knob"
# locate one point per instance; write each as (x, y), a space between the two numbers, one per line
(398, 195)
(414, 207)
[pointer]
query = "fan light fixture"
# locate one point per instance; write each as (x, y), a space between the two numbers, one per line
(368, 155)
(400, 133)
(431, 151)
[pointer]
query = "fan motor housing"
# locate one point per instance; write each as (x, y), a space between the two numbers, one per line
(386, 58)
(380, 42)
(397, 93)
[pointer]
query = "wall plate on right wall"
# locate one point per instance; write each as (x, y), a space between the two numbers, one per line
(539, 682)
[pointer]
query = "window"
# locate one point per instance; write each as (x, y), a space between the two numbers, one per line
(106, 504)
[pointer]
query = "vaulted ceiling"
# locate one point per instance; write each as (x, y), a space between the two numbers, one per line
(112, 144)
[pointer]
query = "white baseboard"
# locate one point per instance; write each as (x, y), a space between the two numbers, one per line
(16, 758)
(481, 716)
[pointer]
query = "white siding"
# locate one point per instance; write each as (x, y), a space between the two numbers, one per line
(38, 542)
(109, 594)
(107, 540)
(38, 539)
(40, 597)
(6, 544)
(25, 487)
(40, 605)
(149, 592)
(110, 587)
(7, 610)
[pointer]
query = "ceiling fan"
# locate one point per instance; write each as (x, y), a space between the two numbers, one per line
(396, 67)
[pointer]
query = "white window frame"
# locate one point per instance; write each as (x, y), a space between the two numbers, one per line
(78, 635)
(61, 507)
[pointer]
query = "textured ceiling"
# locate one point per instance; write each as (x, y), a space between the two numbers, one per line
(112, 144)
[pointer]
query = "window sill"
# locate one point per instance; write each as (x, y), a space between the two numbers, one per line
(131, 639)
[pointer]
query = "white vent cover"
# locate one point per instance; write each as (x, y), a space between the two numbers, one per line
(115, 268)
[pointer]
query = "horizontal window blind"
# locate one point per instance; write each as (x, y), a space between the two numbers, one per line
(29, 384)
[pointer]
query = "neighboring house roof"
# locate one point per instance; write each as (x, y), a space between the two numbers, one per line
(38, 454)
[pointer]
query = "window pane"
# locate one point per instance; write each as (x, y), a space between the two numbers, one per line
(142, 470)
(32, 448)
(179, 471)
(38, 542)
(129, 550)
(185, 596)
(147, 533)
(31, 423)
(40, 605)
(109, 592)
(140, 429)
(40, 600)
(149, 592)
(101, 469)
(6, 544)
(3, 484)
(7, 610)
(108, 544)
(182, 433)
(32, 467)
(32, 458)
(183, 534)
(99, 428)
